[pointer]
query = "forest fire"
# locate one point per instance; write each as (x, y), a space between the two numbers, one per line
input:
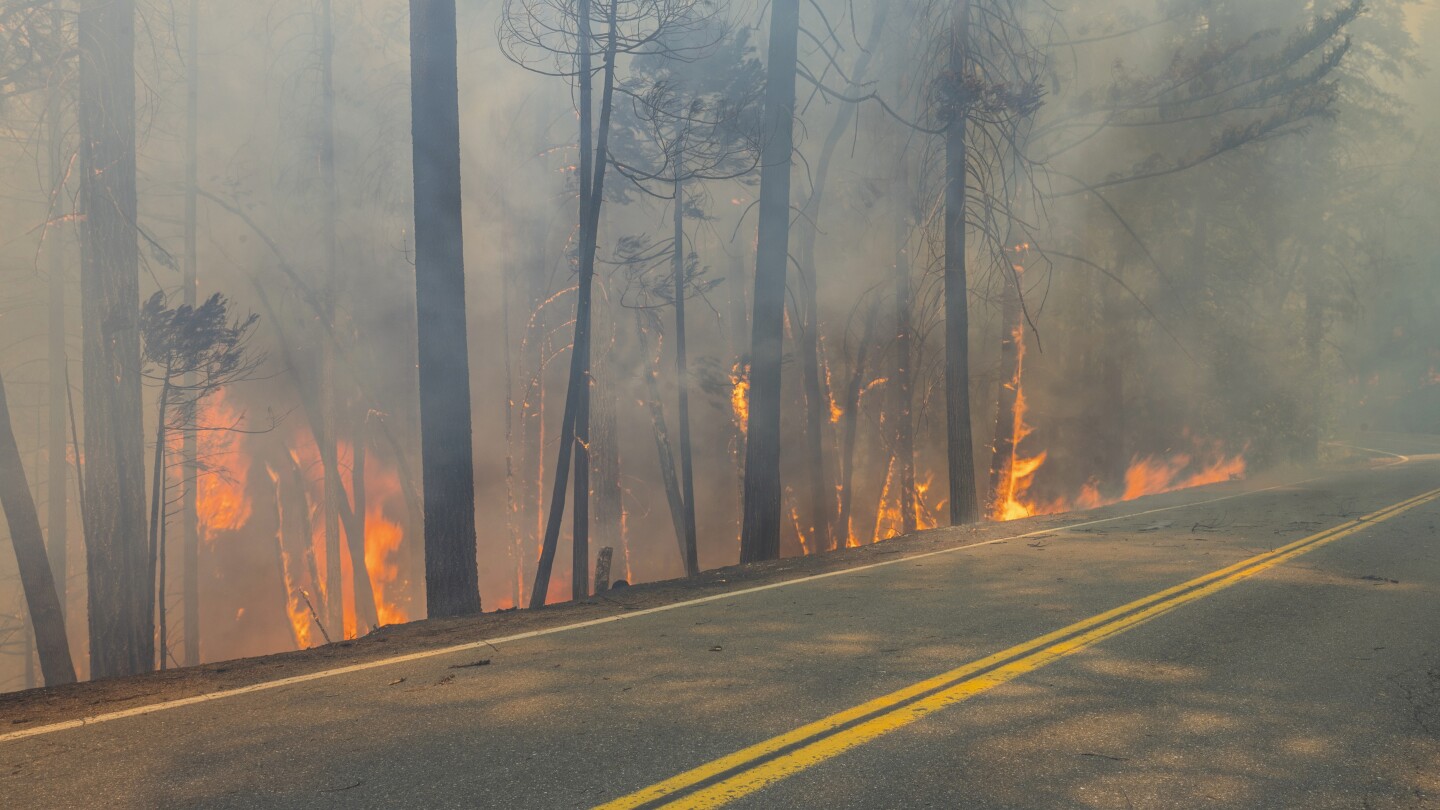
(295, 607)
(1150, 475)
(228, 513)
(740, 395)
(221, 503)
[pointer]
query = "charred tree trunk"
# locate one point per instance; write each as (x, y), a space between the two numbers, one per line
(451, 579)
(689, 549)
(122, 637)
(42, 602)
(760, 530)
(960, 443)
(189, 466)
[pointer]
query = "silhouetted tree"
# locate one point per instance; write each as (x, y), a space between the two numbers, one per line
(41, 600)
(192, 353)
(760, 527)
(122, 635)
(451, 579)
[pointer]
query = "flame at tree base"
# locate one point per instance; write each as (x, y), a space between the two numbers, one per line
(1149, 475)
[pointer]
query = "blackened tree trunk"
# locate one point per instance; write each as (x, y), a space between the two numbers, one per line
(960, 443)
(122, 637)
(451, 580)
(189, 466)
(682, 379)
(760, 528)
(41, 600)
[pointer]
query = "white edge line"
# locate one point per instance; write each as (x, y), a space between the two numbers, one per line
(475, 645)
(1399, 459)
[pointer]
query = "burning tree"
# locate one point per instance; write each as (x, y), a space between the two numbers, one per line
(191, 352)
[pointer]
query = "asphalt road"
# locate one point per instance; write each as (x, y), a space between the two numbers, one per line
(1305, 675)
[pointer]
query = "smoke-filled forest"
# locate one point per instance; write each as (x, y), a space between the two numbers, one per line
(324, 315)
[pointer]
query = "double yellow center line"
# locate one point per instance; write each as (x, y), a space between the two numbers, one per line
(739, 774)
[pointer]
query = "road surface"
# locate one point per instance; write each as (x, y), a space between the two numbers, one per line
(1236, 646)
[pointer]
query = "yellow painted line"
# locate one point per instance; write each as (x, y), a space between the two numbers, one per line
(471, 646)
(739, 774)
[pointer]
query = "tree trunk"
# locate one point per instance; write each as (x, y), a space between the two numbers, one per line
(122, 636)
(760, 530)
(1003, 449)
(189, 465)
(326, 436)
(157, 509)
(296, 533)
(689, 550)
(960, 443)
(584, 380)
(574, 427)
(451, 579)
(367, 617)
(42, 602)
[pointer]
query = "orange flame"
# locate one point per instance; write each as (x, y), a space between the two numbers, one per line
(294, 606)
(740, 395)
(1146, 476)
(220, 496)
